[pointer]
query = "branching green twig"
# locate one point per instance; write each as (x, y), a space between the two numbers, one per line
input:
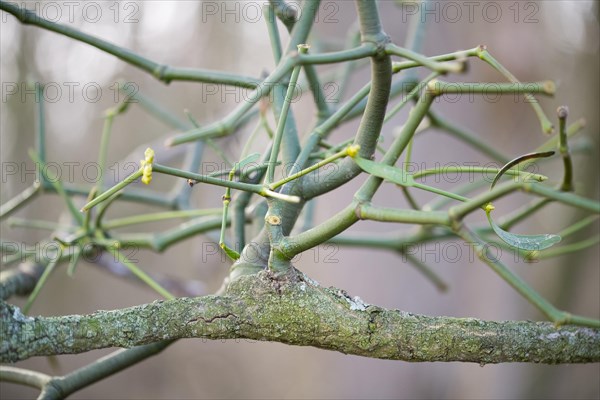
(547, 126)
(305, 313)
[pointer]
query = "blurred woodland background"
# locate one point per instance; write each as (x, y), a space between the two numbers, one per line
(534, 40)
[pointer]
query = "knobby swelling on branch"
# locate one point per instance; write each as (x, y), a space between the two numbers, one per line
(265, 297)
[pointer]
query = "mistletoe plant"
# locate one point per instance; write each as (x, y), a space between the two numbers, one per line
(264, 296)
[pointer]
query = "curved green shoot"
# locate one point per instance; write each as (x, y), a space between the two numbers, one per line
(517, 161)
(231, 253)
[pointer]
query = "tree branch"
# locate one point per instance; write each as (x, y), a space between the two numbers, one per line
(261, 307)
(161, 72)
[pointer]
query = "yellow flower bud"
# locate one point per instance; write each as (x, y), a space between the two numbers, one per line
(149, 154)
(147, 173)
(147, 166)
(352, 151)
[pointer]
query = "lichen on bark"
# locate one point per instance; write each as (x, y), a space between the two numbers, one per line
(298, 311)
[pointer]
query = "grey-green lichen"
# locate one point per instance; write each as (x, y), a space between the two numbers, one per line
(296, 310)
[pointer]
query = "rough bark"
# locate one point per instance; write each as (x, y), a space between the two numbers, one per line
(298, 312)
